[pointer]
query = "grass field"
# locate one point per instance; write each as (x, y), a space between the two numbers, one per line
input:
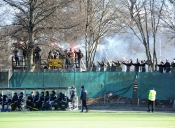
(93, 119)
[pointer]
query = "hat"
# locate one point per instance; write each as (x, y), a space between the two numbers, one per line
(82, 86)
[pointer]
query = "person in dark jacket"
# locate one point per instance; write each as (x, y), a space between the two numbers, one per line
(173, 66)
(5, 101)
(53, 98)
(46, 105)
(42, 99)
(136, 65)
(142, 66)
(83, 97)
(14, 102)
(20, 100)
(36, 101)
(30, 101)
(161, 66)
(167, 66)
(128, 65)
(102, 65)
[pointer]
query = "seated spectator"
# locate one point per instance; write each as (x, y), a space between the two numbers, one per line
(30, 101)
(20, 100)
(5, 101)
(36, 101)
(53, 98)
(46, 105)
(42, 100)
(14, 102)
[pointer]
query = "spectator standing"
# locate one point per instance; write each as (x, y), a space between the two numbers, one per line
(113, 67)
(173, 66)
(72, 57)
(128, 65)
(36, 53)
(151, 100)
(80, 55)
(83, 97)
(167, 66)
(16, 52)
(108, 67)
(94, 68)
(136, 65)
(73, 96)
(142, 65)
(118, 66)
(102, 65)
(161, 66)
(24, 53)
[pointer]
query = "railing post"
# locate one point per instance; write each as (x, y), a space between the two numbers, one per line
(104, 99)
(138, 102)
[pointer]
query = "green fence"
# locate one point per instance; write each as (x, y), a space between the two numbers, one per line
(99, 83)
(96, 83)
(164, 84)
(3, 79)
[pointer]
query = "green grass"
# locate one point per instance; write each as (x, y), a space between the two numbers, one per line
(93, 119)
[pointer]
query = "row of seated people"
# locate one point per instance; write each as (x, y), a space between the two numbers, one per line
(37, 102)
(15, 102)
(46, 101)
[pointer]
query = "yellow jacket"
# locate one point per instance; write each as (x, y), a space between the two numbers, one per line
(152, 95)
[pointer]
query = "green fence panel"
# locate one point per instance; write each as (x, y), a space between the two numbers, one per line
(164, 84)
(92, 81)
(96, 83)
(118, 83)
(3, 79)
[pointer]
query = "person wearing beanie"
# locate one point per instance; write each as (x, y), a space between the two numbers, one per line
(83, 97)
(151, 99)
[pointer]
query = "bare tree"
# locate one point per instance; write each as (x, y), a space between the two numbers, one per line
(144, 22)
(100, 20)
(31, 17)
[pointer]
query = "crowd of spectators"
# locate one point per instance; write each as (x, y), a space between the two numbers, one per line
(139, 66)
(15, 102)
(43, 101)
